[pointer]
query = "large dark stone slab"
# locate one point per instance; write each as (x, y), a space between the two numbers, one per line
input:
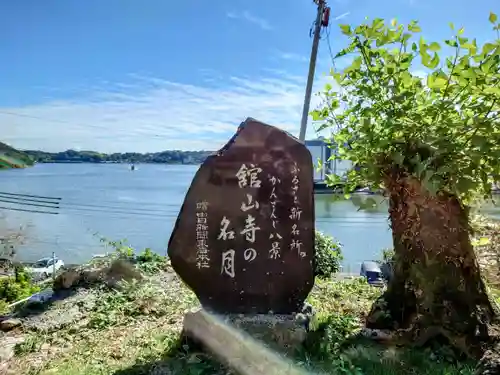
(244, 238)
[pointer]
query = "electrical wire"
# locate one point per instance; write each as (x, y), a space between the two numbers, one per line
(29, 204)
(53, 120)
(127, 215)
(327, 30)
(153, 214)
(102, 203)
(26, 210)
(29, 195)
(105, 209)
(51, 202)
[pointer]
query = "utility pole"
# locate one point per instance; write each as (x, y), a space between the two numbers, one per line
(320, 21)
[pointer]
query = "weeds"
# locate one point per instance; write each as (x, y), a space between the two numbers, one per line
(135, 328)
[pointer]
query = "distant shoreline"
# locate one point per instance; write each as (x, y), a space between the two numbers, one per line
(111, 162)
(164, 157)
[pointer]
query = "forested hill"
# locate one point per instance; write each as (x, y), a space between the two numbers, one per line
(12, 158)
(72, 156)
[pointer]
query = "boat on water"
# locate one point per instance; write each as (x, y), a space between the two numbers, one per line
(132, 167)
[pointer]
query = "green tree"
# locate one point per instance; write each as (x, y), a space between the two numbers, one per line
(432, 144)
(327, 255)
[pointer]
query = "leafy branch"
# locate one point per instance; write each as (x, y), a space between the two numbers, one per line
(443, 130)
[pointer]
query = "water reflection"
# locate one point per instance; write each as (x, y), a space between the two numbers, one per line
(363, 233)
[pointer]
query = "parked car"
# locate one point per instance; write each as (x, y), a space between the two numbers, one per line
(45, 267)
(371, 270)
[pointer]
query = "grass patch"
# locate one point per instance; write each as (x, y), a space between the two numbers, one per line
(135, 329)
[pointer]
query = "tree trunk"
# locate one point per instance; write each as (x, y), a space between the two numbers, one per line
(437, 288)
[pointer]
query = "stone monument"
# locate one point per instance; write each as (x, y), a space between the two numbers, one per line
(244, 237)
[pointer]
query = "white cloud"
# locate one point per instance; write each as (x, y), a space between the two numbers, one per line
(343, 15)
(292, 56)
(247, 16)
(153, 114)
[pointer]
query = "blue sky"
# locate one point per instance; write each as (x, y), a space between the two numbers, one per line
(151, 75)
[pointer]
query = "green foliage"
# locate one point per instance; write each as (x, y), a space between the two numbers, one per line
(17, 287)
(387, 255)
(72, 156)
(326, 341)
(150, 262)
(328, 256)
(130, 301)
(4, 307)
(443, 130)
(32, 344)
(10, 157)
(334, 330)
(147, 261)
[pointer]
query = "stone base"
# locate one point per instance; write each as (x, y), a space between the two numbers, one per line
(253, 347)
(284, 333)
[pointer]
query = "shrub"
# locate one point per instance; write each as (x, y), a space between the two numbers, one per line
(328, 256)
(17, 287)
(328, 334)
(151, 262)
(387, 255)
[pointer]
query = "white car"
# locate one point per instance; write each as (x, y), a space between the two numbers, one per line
(45, 267)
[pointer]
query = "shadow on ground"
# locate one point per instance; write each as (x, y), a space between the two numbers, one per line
(358, 355)
(33, 308)
(185, 357)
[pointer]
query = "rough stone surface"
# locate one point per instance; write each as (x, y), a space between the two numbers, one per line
(262, 178)
(9, 324)
(283, 333)
(7, 348)
(109, 274)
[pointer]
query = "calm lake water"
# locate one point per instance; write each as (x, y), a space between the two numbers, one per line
(109, 200)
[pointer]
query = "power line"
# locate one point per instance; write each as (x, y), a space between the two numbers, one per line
(349, 221)
(65, 122)
(330, 46)
(64, 205)
(95, 208)
(102, 210)
(29, 195)
(158, 213)
(90, 210)
(50, 120)
(104, 203)
(25, 210)
(16, 199)
(29, 204)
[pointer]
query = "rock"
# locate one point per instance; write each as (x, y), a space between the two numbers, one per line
(10, 324)
(254, 347)
(121, 270)
(244, 238)
(283, 332)
(67, 280)
(308, 309)
(376, 334)
(109, 274)
(303, 320)
(53, 319)
(7, 346)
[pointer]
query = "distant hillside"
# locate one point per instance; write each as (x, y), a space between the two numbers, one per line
(12, 158)
(165, 157)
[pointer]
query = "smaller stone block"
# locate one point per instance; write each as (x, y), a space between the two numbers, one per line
(283, 333)
(242, 349)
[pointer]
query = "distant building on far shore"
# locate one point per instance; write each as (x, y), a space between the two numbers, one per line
(322, 151)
